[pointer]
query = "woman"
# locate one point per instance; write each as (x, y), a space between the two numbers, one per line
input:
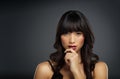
(74, 58)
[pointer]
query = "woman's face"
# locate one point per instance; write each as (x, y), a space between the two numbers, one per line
(73, 40)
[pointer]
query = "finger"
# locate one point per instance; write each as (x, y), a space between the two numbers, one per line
(67, 58)
(67, 61)
(69, 51)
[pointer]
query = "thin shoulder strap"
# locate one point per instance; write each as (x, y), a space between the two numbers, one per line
(57, 75)
(51, 65)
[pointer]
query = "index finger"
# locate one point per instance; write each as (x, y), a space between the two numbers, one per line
(69, 51)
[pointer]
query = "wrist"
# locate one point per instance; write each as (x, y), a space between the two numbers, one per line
(78, 74)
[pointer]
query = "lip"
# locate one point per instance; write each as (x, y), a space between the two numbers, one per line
(72, 46)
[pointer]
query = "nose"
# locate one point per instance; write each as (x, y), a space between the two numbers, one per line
(72, 39)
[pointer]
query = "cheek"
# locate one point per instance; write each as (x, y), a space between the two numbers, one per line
(81, 41)
(64, 41)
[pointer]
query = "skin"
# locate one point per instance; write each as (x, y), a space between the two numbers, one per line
(73, 69)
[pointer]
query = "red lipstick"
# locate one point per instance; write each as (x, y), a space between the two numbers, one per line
(72, 47)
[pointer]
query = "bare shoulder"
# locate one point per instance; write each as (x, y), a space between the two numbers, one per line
(101, 70)
(101, 64)
(43, 71)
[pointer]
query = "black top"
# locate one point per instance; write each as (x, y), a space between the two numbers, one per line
(57, 74)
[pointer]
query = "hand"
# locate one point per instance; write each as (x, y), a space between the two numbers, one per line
(72, 59)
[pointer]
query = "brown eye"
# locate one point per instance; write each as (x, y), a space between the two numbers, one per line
(78, 33)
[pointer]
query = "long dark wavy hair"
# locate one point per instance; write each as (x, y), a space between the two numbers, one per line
(73, 21)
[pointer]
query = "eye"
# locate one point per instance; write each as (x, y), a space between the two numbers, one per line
(78, 33)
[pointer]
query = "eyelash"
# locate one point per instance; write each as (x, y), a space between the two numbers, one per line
(78, 33)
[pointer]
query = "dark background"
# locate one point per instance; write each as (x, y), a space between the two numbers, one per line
(27, 33)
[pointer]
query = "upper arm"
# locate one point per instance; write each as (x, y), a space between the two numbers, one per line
(101, 71)
(42, 71)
